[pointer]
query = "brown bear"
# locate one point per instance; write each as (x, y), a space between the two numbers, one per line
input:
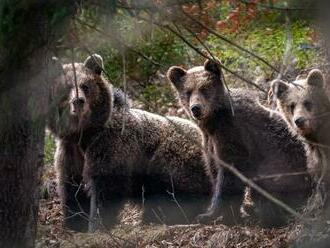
(241, 132)
(123, 153)
(305, 105)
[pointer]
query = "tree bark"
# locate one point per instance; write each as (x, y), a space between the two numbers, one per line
(22, 109)
(26, 35)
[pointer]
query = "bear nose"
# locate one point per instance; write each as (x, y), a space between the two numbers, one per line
(300, 122)
(196, 110)
(78, 102)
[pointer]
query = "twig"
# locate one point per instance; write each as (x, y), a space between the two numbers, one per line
(152, 6)
(230, 42)
(74, 214)
(288, 48)
(76, 198)
(74, 73)
(125, 92)
(157, 216)
(172, 194)
(143, 195)
(277, 176)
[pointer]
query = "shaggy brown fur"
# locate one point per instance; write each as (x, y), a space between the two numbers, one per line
(305, 105)
(71, 115)
(126, 154)
(238, 130)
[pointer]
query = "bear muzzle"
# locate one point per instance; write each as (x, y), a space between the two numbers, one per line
(196, 111)
(304, 126)
(300, 122)
(78, 105)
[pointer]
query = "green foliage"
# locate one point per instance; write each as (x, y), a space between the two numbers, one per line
(157, 98)
(29, 26)
(160, 50)
(49, 149)
(267, 38)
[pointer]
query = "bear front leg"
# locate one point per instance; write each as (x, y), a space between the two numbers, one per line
(216, 197)
(111, 193)
(75, 203)
(104, 205)
(108, 188)
(93, 223)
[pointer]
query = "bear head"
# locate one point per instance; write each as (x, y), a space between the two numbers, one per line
(304, 104)
(200, 89)
(81, 98)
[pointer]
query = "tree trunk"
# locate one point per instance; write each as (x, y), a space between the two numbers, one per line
(22, 123)
(26, 34)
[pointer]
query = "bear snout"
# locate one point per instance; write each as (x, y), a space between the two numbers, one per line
(78, 104)
(196, 110)
(300, 122)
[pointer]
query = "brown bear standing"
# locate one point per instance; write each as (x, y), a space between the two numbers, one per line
(305, 105)
(123, 153)
(239, 131)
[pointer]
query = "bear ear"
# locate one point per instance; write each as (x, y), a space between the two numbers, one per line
(212, 66)
(57, 67)
(176, 76)
(279, 88)
(94, 63)
(315, 78)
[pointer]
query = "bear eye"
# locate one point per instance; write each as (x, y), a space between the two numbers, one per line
(188, 93)
(292, 106)
(204, 90)
(308, 105)
(85, 88)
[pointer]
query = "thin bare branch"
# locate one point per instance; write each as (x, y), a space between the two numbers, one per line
(172, 194)
(279, 175)
(125, 92)
(74, 73)
(230, 42)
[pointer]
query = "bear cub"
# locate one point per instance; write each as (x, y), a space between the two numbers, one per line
(239, 131)
(121, 154)
(305, 105)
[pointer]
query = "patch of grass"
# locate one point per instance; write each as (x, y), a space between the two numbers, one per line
(49, 149)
